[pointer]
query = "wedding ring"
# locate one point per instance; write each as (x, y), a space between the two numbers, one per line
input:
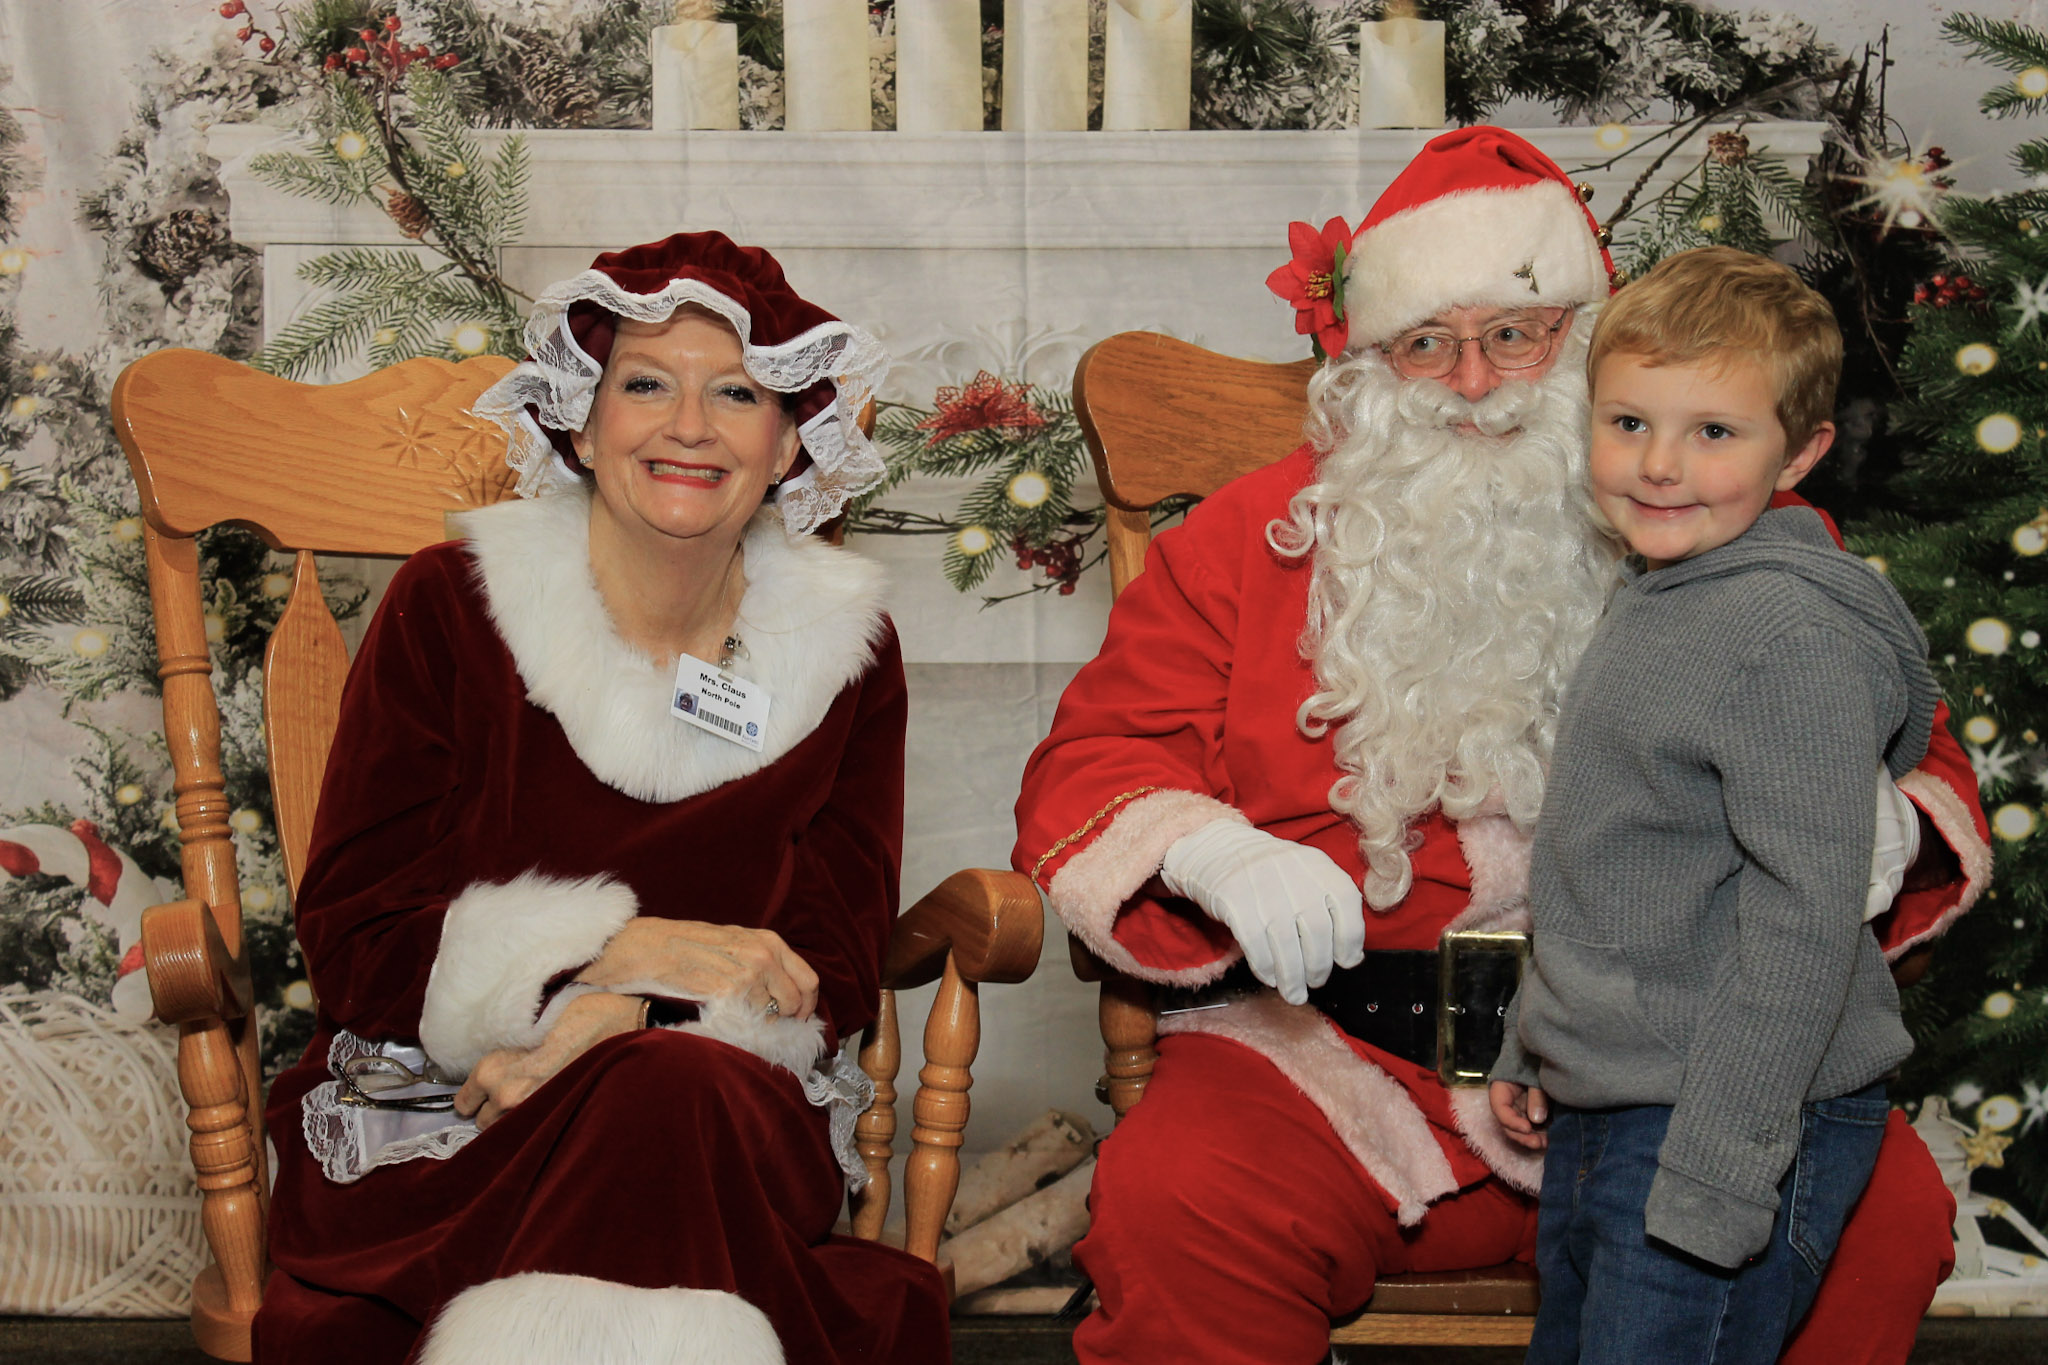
(773, 1008)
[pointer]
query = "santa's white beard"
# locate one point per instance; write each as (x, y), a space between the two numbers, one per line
(1456, 579)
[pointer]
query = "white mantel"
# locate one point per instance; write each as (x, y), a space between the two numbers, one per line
(983, 191)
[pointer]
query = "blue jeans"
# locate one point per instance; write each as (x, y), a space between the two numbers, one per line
(1610, 1294)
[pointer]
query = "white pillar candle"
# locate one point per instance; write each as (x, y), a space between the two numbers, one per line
(1045, 65)
(825, 66)
(696, 75)
(938, 66)
(1401, 74)
(1146, 60)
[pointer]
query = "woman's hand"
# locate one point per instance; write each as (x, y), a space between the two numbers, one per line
(1522, 1111)
(701, 961)
(506, 1077)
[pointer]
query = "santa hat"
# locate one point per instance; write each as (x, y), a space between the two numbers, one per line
(787, 344)
(1479, 217)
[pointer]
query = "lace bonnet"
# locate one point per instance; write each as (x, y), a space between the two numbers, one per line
(789, 345)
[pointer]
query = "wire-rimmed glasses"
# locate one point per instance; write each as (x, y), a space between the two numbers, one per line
(371, 1083)
(1511, 343)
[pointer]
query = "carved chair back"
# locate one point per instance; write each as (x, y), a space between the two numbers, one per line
(371, 468)
(1164, 418)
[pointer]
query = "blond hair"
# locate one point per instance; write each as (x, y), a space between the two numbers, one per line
(1715, 302)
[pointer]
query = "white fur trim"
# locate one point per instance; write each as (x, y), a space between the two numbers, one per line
(543, 1319)
(1463, 250)
(1373, 1114)
(810, 620)
(1952, 819)
(795, 1045)
(1520, 1167)
(1090, 890)
(499, 946)
(1497, 855)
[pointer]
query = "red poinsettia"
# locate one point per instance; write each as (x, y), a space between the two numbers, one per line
(1313, 282)
(981, 403)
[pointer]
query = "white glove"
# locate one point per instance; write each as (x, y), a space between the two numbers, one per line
(1898, 843)
(1295, 913)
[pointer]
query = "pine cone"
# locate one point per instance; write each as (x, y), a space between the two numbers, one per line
(175, 245)
(1728, 149)
(409, 213)
(552, 83)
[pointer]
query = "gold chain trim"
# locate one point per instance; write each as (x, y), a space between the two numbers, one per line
(1082, 832)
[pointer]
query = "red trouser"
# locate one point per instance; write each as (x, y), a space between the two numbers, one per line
(1229, 1224)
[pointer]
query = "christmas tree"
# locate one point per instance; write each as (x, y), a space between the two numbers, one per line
(1970, 562)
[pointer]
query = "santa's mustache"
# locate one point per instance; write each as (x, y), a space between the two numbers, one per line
(1432, 403)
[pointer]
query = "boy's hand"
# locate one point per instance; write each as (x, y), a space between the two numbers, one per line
(1522, 1110)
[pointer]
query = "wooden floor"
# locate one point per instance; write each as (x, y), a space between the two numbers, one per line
(976, 1341)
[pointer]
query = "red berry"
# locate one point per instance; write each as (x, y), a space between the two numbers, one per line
(333, 62)
(244, 32)
(267, 43)
(233, 8)
(1067, 589)
(368, 35)
(445, 60)
(356, 54)
(393, 24)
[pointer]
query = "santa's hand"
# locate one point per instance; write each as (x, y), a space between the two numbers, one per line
(1898, 843)
(1293, 911)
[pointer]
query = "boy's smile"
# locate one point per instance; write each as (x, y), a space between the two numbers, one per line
(1685, 457)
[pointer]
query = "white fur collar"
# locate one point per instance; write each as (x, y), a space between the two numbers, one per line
(810, 620)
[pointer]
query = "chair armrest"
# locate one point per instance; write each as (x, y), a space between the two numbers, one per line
(192, 975)
(992, 922)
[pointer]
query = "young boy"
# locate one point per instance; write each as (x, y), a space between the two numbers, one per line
(1704, 1016)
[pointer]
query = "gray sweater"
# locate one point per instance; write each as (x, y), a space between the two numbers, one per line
(1702, 859)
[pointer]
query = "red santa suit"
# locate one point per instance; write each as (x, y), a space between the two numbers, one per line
(1276, 1165)
(508, 791)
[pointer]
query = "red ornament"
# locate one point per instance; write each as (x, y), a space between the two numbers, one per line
(982, 403)
(1313, 283)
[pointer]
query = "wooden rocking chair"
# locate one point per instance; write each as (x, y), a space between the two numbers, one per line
(370, 468)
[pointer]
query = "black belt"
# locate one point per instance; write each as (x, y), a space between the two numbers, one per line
(1443, 1008)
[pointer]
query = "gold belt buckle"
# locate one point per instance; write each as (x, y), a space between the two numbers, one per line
(1451, 947)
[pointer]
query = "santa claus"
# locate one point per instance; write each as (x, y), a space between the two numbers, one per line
(1316, 739)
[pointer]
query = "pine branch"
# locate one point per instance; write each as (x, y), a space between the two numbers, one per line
(2001, 42)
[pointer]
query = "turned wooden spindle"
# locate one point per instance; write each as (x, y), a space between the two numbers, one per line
(1129, 1029)
(874, 1133)
(218, 1064)
(952, 1035)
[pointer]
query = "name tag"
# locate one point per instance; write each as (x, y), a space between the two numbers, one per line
(712, 699)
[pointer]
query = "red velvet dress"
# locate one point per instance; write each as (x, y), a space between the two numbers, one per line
(657, 1159)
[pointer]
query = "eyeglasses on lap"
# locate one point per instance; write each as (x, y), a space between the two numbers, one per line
(372, 1083)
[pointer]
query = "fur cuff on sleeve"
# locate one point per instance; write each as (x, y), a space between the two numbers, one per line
(795, 1045)
(1090, 891)
(500, 945)
(1952, 819)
